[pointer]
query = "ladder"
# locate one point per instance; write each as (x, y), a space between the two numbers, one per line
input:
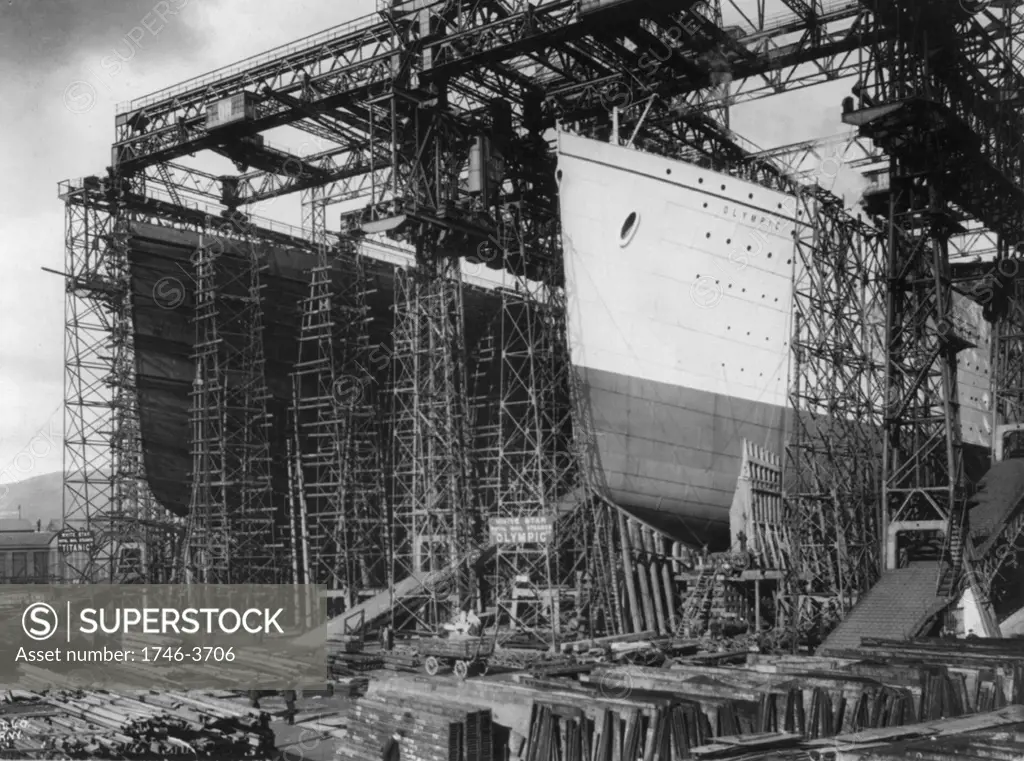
(952, 566)
(698, 600)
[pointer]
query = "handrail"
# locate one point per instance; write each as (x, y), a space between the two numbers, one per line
(234, 69)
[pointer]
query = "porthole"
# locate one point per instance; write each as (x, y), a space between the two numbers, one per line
(629, 228)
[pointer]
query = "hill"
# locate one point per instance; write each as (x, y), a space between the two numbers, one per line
(40, 498)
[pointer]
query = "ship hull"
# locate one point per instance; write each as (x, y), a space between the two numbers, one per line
(669, 454)
(679, 285)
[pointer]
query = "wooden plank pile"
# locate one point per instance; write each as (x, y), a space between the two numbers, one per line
(985, 737)
(744, 701)
(427, 730)
(463, 648)
(143, 726)
(659, 729)
(402, 659)
(349, 664)
(987, 673)
(516, 659)
(345, 643)
(780, 706)
(979, 746)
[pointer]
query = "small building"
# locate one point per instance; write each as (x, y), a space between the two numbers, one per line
(28, 553)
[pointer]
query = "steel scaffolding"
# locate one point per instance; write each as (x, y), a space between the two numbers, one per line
(231, 534)
(337, 521)
(435, 521)
(836, 393)
(126, 536)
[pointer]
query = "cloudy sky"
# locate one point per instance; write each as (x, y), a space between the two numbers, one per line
(48, 49)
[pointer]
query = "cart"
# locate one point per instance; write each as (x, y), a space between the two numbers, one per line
(459, 653)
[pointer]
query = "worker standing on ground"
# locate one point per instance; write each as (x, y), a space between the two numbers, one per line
(387, 638)
(289, 703)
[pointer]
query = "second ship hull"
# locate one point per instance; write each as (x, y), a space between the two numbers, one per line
(680, 289)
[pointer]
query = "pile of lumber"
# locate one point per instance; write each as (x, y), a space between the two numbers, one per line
(986, 673)
(348, 664)
(660, 729)
(984, 740)
(803, 701)
(646, 647)
(461, 648)
(427, 729)
(777, 705)
(516, 659)
(143, 726)
(345, 643)
(402, 659)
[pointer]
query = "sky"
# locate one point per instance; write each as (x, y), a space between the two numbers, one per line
(67, 63)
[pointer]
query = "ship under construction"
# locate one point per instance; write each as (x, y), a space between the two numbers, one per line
(553, 346)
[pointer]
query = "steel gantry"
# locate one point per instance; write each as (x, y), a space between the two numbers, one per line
(941, 84)
(427, 122)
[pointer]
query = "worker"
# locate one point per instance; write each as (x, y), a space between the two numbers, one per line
(473, 623)
(254, 699)
(387, 638)
(460, 626)
(289, 703)
(392, 748)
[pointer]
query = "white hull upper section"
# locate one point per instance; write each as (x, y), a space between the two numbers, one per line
(973, 373)
(676, 274)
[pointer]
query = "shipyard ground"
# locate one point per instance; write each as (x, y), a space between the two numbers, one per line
(926, 698)
(886, 700)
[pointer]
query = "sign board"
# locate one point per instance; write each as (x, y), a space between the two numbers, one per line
(520, 530)
(72, 540)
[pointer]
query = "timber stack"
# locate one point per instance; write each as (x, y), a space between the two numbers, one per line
(426, 730)
(771, 706)
(145, 726)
